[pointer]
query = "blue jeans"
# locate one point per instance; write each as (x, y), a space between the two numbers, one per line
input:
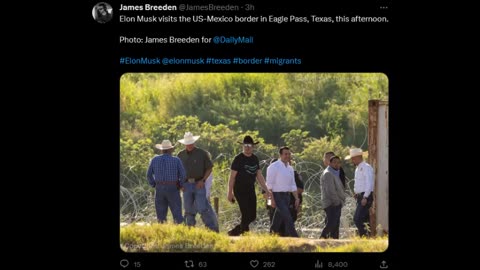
(282, 214)
(195, 201)
(362, 215)
(168, 196)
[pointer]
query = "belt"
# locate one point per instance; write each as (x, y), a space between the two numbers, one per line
(281, 191)
(194, 180)
(361, 194)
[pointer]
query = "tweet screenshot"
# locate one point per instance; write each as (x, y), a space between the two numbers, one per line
(249, 134)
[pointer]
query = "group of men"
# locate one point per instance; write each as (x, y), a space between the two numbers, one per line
(333, 187)
(188, 173)
(282, 188)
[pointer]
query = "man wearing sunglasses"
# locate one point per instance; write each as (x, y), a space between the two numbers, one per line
(245, 170)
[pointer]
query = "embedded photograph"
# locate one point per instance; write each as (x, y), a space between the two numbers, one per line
(253, 162)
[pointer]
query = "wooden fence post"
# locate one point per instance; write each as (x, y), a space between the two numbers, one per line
(372, 155)
(215, 204)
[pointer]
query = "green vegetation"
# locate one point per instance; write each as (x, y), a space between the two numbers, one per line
(179, 238)
(313, 113)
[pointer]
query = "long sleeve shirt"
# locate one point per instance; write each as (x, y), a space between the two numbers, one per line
(165, 168)
(280, 178)
(333, 192)
(364, 181)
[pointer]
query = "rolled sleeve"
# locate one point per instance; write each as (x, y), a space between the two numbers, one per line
(208, 162)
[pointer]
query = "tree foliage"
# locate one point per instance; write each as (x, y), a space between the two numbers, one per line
(312, 113)
(270, 103)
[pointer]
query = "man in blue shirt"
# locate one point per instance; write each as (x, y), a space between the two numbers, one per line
(166, 174)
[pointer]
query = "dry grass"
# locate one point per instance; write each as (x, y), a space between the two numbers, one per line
(179, 238)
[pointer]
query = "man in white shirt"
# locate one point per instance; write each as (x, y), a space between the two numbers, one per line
(363, 189)
(281, 182)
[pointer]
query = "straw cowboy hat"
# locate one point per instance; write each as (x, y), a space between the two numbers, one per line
(354, 152)
(188, 138)
(166, 144)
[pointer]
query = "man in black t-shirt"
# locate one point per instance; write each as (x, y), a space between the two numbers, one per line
(245, 170)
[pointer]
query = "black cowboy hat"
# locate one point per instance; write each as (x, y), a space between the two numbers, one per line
(248, 140)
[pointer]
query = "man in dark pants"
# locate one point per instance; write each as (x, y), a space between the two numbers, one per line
(326, 161)
(293, 211)
(281, 182)
(245, 169)
(363, 189)
(333, 198)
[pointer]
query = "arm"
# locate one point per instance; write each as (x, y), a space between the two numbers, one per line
(271, 176)
(201, 183)
(299, 182)
(261, 181)
(208, 165)
(150, 179)
(294, 190)
(182, 174)
(297, 199)
(340, 191)
(231, 184)
(369, 178)
(268, 193)
(206, 175)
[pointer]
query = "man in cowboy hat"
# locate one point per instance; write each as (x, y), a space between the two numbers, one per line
(198, 166)
(244, 171)
(363, 189)
(166, 173)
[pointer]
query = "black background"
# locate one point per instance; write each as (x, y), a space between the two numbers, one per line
(346, 47)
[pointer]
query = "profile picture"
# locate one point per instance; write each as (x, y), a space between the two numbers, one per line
(102, 12)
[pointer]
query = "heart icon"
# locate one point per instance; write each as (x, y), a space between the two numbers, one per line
(254, 263)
